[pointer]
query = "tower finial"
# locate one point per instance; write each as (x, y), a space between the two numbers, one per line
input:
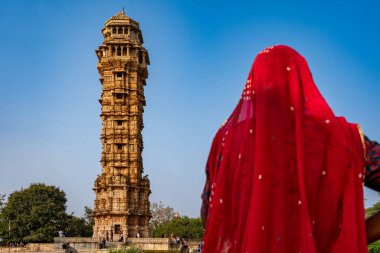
(123, 10)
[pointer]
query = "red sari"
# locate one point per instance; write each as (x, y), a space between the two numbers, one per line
(285, 173)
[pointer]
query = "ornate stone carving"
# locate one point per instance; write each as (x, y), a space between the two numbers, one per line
(122, 193)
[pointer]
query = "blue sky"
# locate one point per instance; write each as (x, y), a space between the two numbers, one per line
(200, 53)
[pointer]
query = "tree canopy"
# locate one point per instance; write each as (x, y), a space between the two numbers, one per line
(37, 213)
(77, 227)
(372, 210)
(373, 247)
(165, 221)
(2, 201)
(184, 227)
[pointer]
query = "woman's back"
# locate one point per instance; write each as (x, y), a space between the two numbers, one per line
(285, 174)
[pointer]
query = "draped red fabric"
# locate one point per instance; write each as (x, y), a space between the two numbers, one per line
(285, 173)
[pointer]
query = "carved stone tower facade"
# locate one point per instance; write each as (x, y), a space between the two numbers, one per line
(122, 194)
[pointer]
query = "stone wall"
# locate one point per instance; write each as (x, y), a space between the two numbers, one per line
(46, 250)
(150, 243)
(32, 247)
(90, 245)
(80, 243)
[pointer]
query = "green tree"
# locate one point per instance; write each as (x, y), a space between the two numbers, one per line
(373, 247)
(77, 227)
(185, 227)
(372, 210)
(34, 214)
(82, 227)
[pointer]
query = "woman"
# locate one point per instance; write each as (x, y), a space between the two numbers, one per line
(284, 173)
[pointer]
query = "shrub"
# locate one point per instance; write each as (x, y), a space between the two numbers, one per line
(131, 249)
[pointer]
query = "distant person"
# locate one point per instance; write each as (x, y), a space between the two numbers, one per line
(184, 248)
(200, 245)
(284, 173)
(107, 236)
(120, 238)
(138, 235)
(111, 237)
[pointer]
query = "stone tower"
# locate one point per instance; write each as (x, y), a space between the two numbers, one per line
(122, 194)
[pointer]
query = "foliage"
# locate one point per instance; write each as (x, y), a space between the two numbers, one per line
(37, 213)
(135, 249)
(161, 251)
(78, 227)
(372, 210)
(89, 216)
(184, 227)
(2, 201)
(374, 247)
(131, 249)
(2, 221)
(160, 215)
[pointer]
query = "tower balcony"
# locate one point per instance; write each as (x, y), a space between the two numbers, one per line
(116, 110)
(113, 132)
(118, 57)
(133, 156)
(120, 132)
(120, 157)
(111, 157)
(123, 58)
(115, 37)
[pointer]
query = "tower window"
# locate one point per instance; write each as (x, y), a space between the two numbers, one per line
(119, 146)
(119, 122)
(117, 229)
(119, 74)
(119, 96)
(118, 51)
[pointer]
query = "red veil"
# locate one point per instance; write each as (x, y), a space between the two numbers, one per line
(285, 173)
